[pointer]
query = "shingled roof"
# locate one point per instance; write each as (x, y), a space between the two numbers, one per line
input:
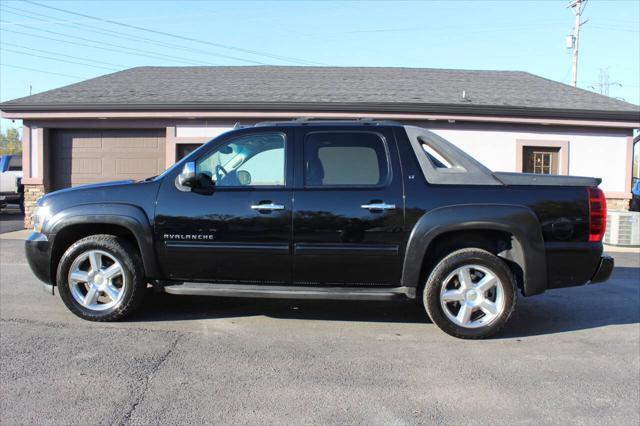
(328, 89)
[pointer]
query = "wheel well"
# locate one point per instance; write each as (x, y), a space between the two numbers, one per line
(72, 233)
(499, 243)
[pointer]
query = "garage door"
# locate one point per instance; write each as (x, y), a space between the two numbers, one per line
(89, 156)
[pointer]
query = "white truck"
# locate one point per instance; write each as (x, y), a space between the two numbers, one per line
(11, 190)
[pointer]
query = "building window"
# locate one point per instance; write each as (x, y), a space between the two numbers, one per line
(184, 149)
(539, 160)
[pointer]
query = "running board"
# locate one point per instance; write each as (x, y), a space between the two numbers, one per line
(291, 292)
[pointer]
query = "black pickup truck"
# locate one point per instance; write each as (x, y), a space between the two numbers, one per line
(368, 210)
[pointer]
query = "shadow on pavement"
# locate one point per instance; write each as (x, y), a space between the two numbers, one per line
(165, 307)
(557, 311)
(615, 302)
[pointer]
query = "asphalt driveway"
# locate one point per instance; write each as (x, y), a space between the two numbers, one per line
(11, 219)
(569, 356)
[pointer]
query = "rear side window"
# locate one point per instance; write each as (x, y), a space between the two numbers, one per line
(435, 157)
(345, 159)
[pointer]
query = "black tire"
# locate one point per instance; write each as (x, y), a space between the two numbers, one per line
(449, 264)
(128, 257)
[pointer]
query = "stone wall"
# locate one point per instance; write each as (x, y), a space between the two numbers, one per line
(617, 204)
(31, 195)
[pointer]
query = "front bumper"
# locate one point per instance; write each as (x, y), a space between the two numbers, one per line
(37, 247)
(604, 270)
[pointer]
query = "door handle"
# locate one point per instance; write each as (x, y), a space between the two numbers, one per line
(378, 206)
(268, 206)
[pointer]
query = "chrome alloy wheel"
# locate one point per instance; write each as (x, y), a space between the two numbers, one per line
(97, 280)
(472, 296)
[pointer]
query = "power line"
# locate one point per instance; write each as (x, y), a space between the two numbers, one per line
(60, 54)
(40, 71)
(129, 18)
(117, 34)
(184, 60)
(627, 30)
(177, 36)
(60, 60)
(34, 15)
(148, 54)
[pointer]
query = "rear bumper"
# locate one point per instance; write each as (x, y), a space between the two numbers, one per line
(574, 264)
(38, 251)
(604, 270)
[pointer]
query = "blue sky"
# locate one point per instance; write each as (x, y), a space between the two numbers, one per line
(501, 35)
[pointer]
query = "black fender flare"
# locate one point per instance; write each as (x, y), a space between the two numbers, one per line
(528, 249)
(128, 216)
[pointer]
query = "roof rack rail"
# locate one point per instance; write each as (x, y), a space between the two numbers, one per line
(316, 120)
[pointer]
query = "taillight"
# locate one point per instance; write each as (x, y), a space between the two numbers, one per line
(597, 214)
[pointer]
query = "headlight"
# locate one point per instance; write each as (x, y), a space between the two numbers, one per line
(40, 216)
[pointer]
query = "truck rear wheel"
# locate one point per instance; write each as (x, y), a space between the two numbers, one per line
(101, 278)
(470, 294)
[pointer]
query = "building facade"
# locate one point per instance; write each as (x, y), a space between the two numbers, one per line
(79, 134)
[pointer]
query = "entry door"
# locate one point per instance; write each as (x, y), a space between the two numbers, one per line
(348, 218)
(240, 232)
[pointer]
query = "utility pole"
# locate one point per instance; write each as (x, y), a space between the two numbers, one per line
(578, 7)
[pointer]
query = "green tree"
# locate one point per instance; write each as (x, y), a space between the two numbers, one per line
(10, 142)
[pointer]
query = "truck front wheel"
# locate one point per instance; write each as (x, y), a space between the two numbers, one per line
(101, 278)
(470, 294)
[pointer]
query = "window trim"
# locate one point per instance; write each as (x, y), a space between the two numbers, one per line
(251, 187)
(385, 184)
(563, 152)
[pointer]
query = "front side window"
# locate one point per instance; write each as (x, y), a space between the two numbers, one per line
(345, 159)
(251, 160)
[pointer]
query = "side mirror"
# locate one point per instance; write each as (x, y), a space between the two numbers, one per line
(187, 176)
